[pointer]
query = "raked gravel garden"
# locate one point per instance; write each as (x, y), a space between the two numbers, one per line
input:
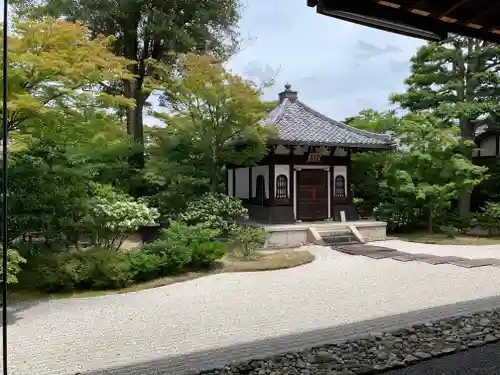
(66, 337)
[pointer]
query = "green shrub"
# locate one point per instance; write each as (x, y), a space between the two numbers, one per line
(184, 246)
(462, 224)
(396, 215)
(205, 253)
(172, 257)
(145, 266)
(489, 219)
(215, 211)
(248, 240)
(90, 269)
(57, 272)
(14, 262)
(449, 231)
(109, 269)
(113, 216)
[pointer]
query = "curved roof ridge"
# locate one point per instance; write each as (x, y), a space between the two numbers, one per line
(277, 113)
(342, 125)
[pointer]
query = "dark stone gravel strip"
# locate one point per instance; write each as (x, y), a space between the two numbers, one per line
(378, 252)
(378, 352)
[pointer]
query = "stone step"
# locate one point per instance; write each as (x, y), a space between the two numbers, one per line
(335, 232)
(338, 240)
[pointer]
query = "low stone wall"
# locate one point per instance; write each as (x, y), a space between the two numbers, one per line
(380, 351)
(373, 232)
(287, 238)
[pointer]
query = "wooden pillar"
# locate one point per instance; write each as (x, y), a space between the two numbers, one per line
(250, 183)
(272, 179)
(349, 177)
(291, 172)
(332, 187)
(234, 181)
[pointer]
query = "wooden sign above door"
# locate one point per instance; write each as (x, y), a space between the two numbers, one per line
(314, 157)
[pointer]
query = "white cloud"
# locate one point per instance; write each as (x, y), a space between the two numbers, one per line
(339, 68)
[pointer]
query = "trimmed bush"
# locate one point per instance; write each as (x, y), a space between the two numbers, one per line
(183, 246)
(145, 266)
(173, 257)
(90, 269)
(205, 253)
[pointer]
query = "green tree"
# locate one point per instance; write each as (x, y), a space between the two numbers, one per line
(53, 66)
(371, 168)
(375, 121)
(430, 170)
(458, 80)
(174, 172)
(150, 33)
(219, 114)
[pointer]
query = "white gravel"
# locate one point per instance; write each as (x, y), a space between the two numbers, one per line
(464, 251)
(66, 336)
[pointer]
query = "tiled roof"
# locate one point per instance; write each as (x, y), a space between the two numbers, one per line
(301, 125)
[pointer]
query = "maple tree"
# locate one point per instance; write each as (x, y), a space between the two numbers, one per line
(55, 68)
(216, 113)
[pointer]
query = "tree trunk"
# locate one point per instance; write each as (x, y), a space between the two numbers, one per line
(430, 223)
(466, 94)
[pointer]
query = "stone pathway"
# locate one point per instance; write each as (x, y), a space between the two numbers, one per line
(380, 252)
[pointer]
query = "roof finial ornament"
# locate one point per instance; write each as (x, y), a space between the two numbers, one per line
(288, 86)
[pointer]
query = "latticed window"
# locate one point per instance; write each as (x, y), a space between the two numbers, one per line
(281, 187)
(260, 187)
(340, 186)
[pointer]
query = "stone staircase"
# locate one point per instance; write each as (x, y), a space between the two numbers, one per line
(340, 236)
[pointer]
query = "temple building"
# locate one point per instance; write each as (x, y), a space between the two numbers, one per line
(306, 175)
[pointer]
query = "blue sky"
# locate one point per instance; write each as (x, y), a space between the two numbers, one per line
(337, 67)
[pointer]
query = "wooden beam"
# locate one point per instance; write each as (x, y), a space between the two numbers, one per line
(479, 18)
(388, 14)
(484, 11)
(312, 3)
(392, 15)
(453, 8)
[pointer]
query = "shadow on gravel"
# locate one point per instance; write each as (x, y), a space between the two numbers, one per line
(210, 359)
(14, 310)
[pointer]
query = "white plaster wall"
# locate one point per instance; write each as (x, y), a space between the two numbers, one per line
(323, 150)
(263, 170)
(340, 152)
(284, 170)
(230, 182)
(242, 184)
(281, 150)
(300, 150)
(489, 146)
(342, 171)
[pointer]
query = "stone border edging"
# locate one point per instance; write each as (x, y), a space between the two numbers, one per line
(210, 360)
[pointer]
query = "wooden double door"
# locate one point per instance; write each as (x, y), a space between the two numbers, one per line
(312, 194)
